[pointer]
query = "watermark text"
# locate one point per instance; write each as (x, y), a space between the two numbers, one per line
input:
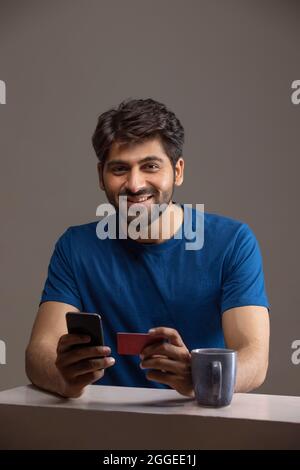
(2, 352)
(295, 96)
(295, 358)
(150, 222)
(2, 92)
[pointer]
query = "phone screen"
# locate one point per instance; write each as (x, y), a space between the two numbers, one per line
(86, 324)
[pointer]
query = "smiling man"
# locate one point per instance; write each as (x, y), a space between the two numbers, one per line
(143, 174)
(213, 296)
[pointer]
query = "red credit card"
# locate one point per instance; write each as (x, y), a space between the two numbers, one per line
(134, 343)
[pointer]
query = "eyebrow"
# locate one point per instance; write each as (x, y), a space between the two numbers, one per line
(149, 158)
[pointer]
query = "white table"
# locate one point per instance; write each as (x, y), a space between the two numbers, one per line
(142, 418)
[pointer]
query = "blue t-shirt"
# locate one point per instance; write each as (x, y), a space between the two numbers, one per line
(137, 286)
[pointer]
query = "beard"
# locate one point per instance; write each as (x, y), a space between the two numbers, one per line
(128, 208)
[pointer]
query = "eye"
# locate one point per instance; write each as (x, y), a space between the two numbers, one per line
(152, 166)
(119, 169)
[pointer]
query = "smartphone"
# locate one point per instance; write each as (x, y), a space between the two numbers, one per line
(86, 324)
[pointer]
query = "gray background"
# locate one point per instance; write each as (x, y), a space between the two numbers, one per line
(225, 68)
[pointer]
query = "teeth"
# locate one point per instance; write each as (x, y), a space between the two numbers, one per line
(142, 199)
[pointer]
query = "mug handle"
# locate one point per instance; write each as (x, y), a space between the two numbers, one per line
(216, 379)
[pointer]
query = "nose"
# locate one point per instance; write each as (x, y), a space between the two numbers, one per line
(135, 181)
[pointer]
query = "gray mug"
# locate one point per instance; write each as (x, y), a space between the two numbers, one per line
(214, 375)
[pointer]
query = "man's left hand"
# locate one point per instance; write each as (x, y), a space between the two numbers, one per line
(170, 362)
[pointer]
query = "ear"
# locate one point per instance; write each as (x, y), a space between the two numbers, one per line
(179, 171)
(100, 174)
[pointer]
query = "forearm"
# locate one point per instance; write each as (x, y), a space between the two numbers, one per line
(251, 369)
(41, 369)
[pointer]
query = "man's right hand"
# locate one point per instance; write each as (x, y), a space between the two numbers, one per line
(80, 366)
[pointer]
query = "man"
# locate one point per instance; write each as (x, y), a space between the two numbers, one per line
(209, 297)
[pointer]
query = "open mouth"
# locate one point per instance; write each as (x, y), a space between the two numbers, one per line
(139, 200)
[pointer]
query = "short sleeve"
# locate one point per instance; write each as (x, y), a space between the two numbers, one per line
(60, 285)
(243, 276)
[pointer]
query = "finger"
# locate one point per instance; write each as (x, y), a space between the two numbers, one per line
(75, 355)
(161, 377)
(89, 378)
(167, 365)
(169, 333)
(68, 340)
(182, 385)
(91, 365)
(178, 353)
